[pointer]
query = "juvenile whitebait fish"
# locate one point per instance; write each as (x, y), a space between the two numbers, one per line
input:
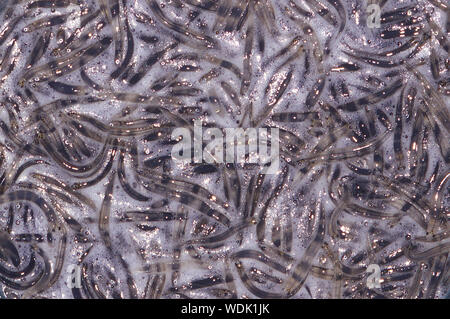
(207, 41)
(203, 4)
(406, 31)
(66, 88)
(346, 67)
(440, 36)
(103, 173)
(12, 116)
(46, 22)
(337, 4)
(398, 130)
(232, 184)
(152, 60)
(438, 250)
(80, 34)
(201, 283)
(328, 140)
(6, 57)
(406, 46)
(434, 237)
(414, 144)
(444, 145)
(149, 39)
(156, 287)
(436, 275)
(410, 100)
(253, 288)
(261, 223)
(434, 64)
(370, 213)
(62, 66)
(9, 28)
(274, 98)
(157, 162)
(104, 214)
(186, 91)
(315, 92)
(152, 216)
(304, 12)
(441, 114)
(300, 271)
(185, 185)
(232, 94)
(323, 11)
(163, 82)
(373, 98)
(292, 143)
(50, 4)
(29, 284)
(224, 64)
(8, 250)
(276, 233)
(21, 169)
(128, 55)
(115, 19)
(376, 62)
(287, 238)
(28, 268)
(56, 155)
(237, 17)
(186, 199)
(39, 50)
(426, 36)
(30, 148)
(211, 74)
(121, 130)
(296, 41)
(48, 190)
(222, 12)
(223, 236)
(124, 183)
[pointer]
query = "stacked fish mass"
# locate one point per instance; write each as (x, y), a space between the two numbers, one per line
(92, 205)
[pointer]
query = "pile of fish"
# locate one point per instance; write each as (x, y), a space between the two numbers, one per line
(92, 205)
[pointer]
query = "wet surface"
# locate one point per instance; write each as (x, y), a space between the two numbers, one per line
(93, 205)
